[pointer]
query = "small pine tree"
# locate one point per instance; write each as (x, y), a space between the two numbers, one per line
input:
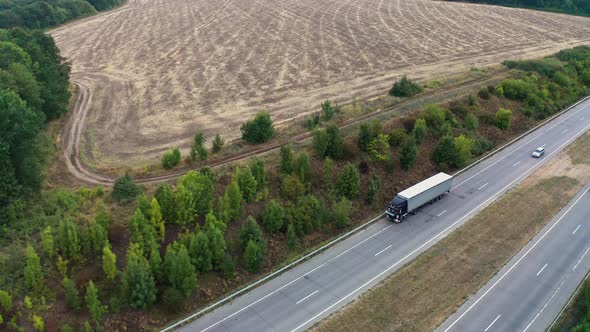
(200, 253)
(5, 300)
(142, 233)
(109, 263)
(231, 204)
(445, 153)
(156, 219)
(405, 87)
(419, 131)
(258, 130)
(471, 122)
(47, 242)
(504, 118)
(408, 154)
(171, 158)
(217, 144)
(62, 266)
(217, 246)
(250, 231)
(181, 273)
(341, 212)
(272, 217)
(327, 171)
(69, 239)
(365, 136)
(95, 308)
(286, 159)
(256, 166)
(38, 323)
(254, 255)
(348, 183)
(379, 149)
(198, 147)
(156, 265)
(185, 206)
(33, 273)
(246, 182)
(138, 283)
(165, 197)
(72, 294)
(291, 236)
(125, 189)
(303, 167)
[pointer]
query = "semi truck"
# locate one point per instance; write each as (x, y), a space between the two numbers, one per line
(411, 199)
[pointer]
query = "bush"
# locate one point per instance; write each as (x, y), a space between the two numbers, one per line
(171, 158)
(408, 154)
(287, 159)
(250, 231)
(38, 323)
(72, 294)
(217, 144)
(379, 148)
(481, 145)
(254, 255)
(373, 191)
(405, 88)
(292, 187)
(397, 137)
(484, 93)
(172, 299)
(328, 110)
(124, 189)
(272, 217)
(464, 148)
(328, 143)
(445, 153)
(341, 211)
(419, 130)
(5, 300)
(471, 122)
(435, 116)
(503, 118)
(291, 236)
(258, 130)
(348, 183)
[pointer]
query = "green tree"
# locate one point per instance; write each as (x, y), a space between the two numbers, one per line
(95, 308)
(471, 122)
(38, 323)
(320, 142)
(185, 206)
(125, 189)
(102, 216)
(341, 212)
(171, 158)
(201, 187)
(348, 183)
(365, 136)
(200, 253)
(247, 183)
(405, 87)
(109, 263)
(445, 152)
(397, 137)
(328, 110)
(181, 273)
(94, 237)
(374, 186)
(257, 168)
(62, 266)
(155, 263)
(286, 159)
(250, 231)
(33, 273)
(464, 147)
(156, 219)
(273, 216)
(230, 204)
(217, 144)
(142, 233)
(379, 149)
(291, 187)
(5, 300)
(165, 197)
(504, 118)
(291, 236)
(258, 130)
(302, 167)
(328, 143)
(217, 246)
(435, 117)
(254, 255)
(198, 147)
(420, 130)
(138, 283)
(71, 292)
(327, 171)
(408, 154)
(47, 242)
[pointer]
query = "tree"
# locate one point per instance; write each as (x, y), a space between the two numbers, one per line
(286, 159)
(471, 122)
(379, 148)
(217, 144)
(181, 273)
(348, 183)
(257, 168)
(272, 217)
(217, 246)
(327, 171)
(328, 143)
(247, 183)
(156, 219)
(5, 300)
(62, 266)
(254, 255)
(503, 118)
(102, 216)
(250, 231)
(71, 292)
(94, 238)
(47, 242)
(198, 147)
(365, 136)
(109, 263)
(291, 236)
(341, 211)
(258, 130)
(185, 206)
(200, 253)
(230, 204)
(374, 187)
(155, 263)
(291, 187)
(171, 158)
(302, 167)
(405, 87)
(419, 131)
(445, 152)
(138, 283)
(33, 273)
(38, 323)
(165, 197)
(328, 110)
(201, 188)
(397, 137)
(95, 308)
(124, 189)
(142, 233)
(408, 154)
(464, 148)
(320, 142)
(305, 215)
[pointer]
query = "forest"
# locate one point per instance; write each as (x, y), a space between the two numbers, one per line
(577, 7)
(35, 14)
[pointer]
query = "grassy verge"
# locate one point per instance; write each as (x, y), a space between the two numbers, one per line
(422, 295)
(575, 313)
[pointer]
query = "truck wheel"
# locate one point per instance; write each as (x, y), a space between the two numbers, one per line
(397, 221)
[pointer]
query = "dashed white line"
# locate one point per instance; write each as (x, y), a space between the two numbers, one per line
(545, 306)
(580, 260)
(383, 250)
(307, 297)
(575, 230)
(440, 214)
(516, 163)
(565, 131)
(492, 323)
(480, 188)
(541, 270)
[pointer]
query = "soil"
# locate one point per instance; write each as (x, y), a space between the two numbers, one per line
(158, 71)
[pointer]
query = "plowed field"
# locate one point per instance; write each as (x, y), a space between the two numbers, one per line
(159, 70)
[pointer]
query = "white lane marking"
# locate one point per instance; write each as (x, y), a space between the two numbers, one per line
(307, 297)
(516, 263)
(565, 131)
(383, 250)
(440, 214)
(516, 163)
(580, 260)
(521, 146)
(545, 306)
(575, 230)
(480, 188)
(541, 270)
(356, 245)
(543, 145)
(492, 323)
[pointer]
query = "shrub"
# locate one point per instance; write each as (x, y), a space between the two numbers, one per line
(484, 93)
(328, 110)
(374, 186)
(38, 323)
(72, 294)
(250, 231)
(292, 187)
(514, 89)
(272, 217)
(217, 144)
(341, 211)
(291, 236)
(348, 183)
(481, 145)
(445, 153)
(397, 137)
(471, 122)
(287, 159)
(379, 148)
(405, 88)
(254, 255)
(171, 158)
(5, 300)
(408, 154)
(503, 118)
(464, 148)
(435, 116)
(125, 189)
(258, 130)
(419, 130)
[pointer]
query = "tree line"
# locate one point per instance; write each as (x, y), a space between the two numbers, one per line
(578, 7)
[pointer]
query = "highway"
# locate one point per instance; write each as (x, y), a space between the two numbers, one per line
(531, 290)
(309, 292)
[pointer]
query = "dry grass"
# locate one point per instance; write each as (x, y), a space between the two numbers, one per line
(159, 70)
(422, 295)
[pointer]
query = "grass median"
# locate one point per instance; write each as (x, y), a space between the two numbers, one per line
(420, 296)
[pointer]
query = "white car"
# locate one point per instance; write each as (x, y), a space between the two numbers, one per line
(539, 152)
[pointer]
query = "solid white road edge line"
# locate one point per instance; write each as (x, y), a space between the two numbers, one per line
(307, 297)
(389, 246)
(516, 263)
(580, 260)
(545, 306)
(492, 323)
(541, 270)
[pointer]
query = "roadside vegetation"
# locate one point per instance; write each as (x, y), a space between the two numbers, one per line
(576, 7)
(576, 317)
(109, 260)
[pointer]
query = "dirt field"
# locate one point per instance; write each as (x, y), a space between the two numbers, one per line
(159, 70)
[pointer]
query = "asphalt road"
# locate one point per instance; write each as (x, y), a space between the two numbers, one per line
(298, 298)
(531, 290)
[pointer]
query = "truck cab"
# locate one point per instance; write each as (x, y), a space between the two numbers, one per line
(397, 209)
